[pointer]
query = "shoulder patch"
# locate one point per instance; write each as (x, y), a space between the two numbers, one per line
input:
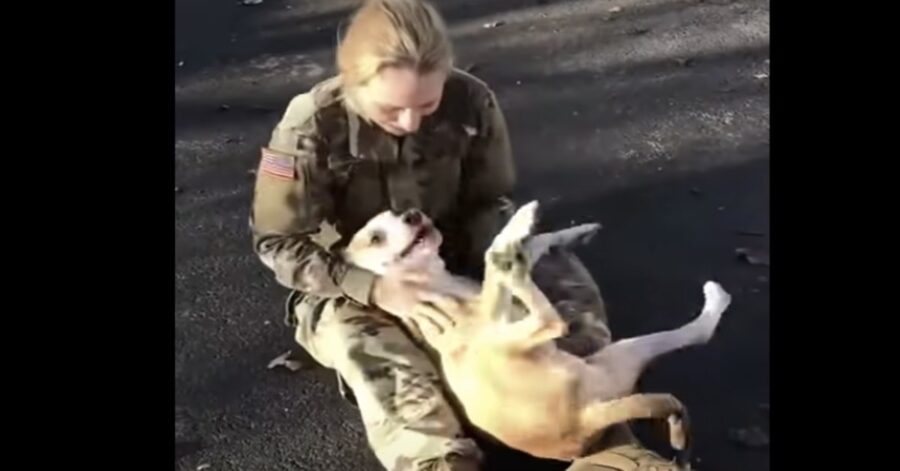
(278, 164)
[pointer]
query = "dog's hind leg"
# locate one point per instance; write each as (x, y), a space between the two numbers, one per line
(600, 415)
(624, 361)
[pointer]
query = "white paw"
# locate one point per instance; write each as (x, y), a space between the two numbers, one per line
(537, 246)
(520, 225)
(717, 301)
(580, 234)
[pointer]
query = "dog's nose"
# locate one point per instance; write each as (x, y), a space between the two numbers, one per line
(412, 217)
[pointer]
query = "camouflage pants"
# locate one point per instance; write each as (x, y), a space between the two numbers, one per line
(409, 422)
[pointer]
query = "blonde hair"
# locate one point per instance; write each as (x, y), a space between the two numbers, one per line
(384, 33)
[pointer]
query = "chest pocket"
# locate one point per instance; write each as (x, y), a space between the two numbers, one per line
(436, 157)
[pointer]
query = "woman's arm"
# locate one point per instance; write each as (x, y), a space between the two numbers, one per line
(291, 201)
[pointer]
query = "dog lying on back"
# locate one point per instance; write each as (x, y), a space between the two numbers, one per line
(499, 358)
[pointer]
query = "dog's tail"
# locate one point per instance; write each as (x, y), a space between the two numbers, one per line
(601, 415)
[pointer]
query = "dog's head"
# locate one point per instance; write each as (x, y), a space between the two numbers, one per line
(390, 239)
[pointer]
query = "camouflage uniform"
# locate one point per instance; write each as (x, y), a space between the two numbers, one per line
(323, 175)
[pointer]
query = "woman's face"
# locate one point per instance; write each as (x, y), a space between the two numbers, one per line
(399, 97)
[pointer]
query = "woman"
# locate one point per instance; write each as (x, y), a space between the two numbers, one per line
(398, 128)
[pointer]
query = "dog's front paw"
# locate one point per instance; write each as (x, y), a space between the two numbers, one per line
(506, 253)
(519, 227)
(538, 245)
(577, 235)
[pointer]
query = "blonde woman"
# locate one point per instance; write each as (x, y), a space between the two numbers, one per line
(399, 128)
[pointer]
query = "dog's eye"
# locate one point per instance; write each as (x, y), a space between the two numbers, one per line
(376, 238)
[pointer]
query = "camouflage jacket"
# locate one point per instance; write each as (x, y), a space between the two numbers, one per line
(327, 171)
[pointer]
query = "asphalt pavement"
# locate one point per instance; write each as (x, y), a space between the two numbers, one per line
(651, 117)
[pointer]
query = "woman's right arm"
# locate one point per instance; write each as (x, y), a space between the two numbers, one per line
(290, 203)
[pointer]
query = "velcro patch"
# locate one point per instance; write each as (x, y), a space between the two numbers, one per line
(278, 164)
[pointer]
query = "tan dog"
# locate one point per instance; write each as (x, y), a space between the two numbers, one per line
(498, 353)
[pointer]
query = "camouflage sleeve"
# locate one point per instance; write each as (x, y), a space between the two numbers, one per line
(292, 199)
(488, 181)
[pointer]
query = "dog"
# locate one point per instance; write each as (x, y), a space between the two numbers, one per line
(497, 350)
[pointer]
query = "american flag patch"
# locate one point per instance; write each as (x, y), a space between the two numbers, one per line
(277, 164)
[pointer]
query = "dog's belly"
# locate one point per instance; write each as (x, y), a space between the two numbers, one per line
(527, 404)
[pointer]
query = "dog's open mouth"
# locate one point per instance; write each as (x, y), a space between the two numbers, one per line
(421, 235)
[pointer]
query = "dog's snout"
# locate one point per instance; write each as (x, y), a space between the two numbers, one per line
(412, 217)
